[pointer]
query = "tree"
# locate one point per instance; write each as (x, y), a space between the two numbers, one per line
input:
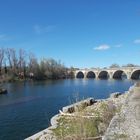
(8, 53)
(114, 66)
(21, 60)
(1, 58)
(12, 59)
(20, 66)
(130, 65)
(33, 65)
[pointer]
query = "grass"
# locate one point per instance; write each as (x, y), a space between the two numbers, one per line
(121, 136)
(81, 127)
(76, 127)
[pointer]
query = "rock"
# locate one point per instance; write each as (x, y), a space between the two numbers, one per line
(137, 84)
(102, 128)
(115, 95)
(125, 125)
(78, 106)
(3, 91)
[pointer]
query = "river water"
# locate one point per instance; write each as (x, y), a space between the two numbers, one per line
(28, 107)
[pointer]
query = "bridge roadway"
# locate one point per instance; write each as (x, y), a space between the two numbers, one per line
(112, 73)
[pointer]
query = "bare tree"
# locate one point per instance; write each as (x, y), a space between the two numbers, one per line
(8, 53)
(1, 58)
(114, 66)
(17, 64)
(33, 66)
(12, 58)
(32, 62)
(130, 65)
(21, 60)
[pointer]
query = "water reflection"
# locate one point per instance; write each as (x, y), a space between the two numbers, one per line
(28, 106)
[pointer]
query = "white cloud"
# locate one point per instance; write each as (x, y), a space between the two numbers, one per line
(49, 28)
(43, 29)
(102, 47)
(37, 29)
(3, 37)
(118, 46)
(137, 41)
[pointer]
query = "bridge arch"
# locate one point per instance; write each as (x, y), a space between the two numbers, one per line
(80, 74)
(119, 74)
(103, 75)
(90, 75)
(135, 74)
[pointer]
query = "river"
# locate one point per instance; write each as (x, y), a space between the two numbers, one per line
(28, 106)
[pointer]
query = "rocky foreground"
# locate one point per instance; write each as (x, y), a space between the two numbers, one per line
(115, 118)
(126, 124)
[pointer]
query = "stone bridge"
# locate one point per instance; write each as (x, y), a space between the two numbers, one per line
(112, 73)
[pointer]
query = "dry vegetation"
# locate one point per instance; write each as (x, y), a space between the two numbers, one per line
(89, 123)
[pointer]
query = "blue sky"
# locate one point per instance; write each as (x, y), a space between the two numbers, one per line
(80, 33)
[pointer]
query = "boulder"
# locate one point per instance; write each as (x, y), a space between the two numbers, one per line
(3, 91)
(79, 105)
(115, 95)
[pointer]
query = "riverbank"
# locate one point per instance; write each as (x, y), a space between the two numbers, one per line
(92, 122)
(126, 124)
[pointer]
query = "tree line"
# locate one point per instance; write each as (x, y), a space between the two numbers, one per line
(127, 65)
(15, 65)
(22, 65)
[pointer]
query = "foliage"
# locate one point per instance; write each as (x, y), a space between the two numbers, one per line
(130, 65)
(114, 66)
(76, 127)
(21, 65)
(81, 126)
